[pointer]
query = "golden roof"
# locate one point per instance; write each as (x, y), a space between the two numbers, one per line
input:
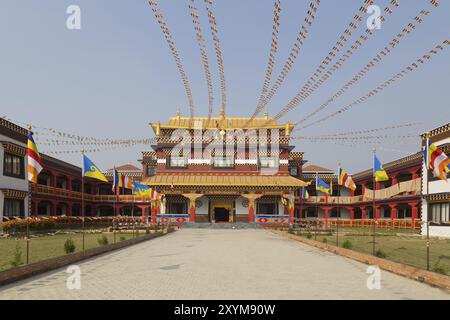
(207, 180)
(222, 122)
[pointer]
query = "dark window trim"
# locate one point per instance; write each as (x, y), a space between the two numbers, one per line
(22, 207)
(22, 165)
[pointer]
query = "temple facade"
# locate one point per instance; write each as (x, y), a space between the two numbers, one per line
(227, 170)
(223, 170)
(436, 202)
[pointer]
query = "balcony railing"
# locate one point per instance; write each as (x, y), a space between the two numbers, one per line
(74, 195)
(402, 189)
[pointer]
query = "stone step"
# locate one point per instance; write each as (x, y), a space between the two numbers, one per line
(205, 225)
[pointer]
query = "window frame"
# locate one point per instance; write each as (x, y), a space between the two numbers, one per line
(276, 159)
(170, 166)
(21, 207)
(21, 175)
(231, 164)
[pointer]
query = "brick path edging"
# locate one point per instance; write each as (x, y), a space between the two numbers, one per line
(23, 272)
(431, 278)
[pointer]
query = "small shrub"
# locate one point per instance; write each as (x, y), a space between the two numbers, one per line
(69, 246)
(17, 258)
(147, 231)
(122, 238)
(309, 236)
(325, 240)
(291, 231)
(347, 244)
(440, 269)
(380, 254)
(103, 240)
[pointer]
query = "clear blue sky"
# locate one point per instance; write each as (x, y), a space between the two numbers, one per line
(113, 77)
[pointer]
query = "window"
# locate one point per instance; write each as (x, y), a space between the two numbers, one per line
(268, 162)
(14, 166)
(440, 213)
(293, 171)
(223, 162)
(13, 208)
(267, 208)
(177, 162)
(150, 171)
(177, 208)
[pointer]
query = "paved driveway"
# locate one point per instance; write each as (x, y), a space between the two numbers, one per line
(220, 264)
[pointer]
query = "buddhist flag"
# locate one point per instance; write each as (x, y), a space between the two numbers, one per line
(346, 180)
(127, 182)
(378, 170)
(437, 161)
(116, 180)
(322, 186)
(34, 160)
(91, 170)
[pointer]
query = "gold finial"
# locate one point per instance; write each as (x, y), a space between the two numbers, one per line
(266, 116)
(222, 113)
(178, 114)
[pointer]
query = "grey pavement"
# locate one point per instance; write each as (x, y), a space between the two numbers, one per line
(220, 264)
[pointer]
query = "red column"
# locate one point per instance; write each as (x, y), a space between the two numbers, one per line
(251, 211)
(377, 212)
(153, 213)
(363, 213)
(143, 215)
(326, 211)
(34, 209)
(414, 211)
(378, 185)
(352, 213)
(393, 211)
(53, 208)
(191, 211)
(394, 180)
(69, 209)
(363, 185)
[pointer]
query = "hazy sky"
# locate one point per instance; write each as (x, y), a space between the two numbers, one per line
(116, 74)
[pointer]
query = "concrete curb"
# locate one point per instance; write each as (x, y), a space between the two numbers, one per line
(30, 270)
(424, 276)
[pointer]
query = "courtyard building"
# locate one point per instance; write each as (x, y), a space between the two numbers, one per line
(223, 170)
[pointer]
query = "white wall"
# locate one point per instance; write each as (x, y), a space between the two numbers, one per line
(11, 183)
(240, 210)
(435, 187)
(203, 210)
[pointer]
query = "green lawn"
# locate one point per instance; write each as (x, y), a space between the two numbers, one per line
(397, 245)
(50, 246)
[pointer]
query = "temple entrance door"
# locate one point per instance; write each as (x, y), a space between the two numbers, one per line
(221, 214)
(222, 211)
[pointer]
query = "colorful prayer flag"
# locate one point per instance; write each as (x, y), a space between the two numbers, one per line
(34, 160)
(437, 161)
(346, 180)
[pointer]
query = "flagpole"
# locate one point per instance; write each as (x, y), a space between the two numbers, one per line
(114, 204)
(317, 206)
(29, 211)
(427, 169)
(373, 203)
(82, 199)
(339, 206)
